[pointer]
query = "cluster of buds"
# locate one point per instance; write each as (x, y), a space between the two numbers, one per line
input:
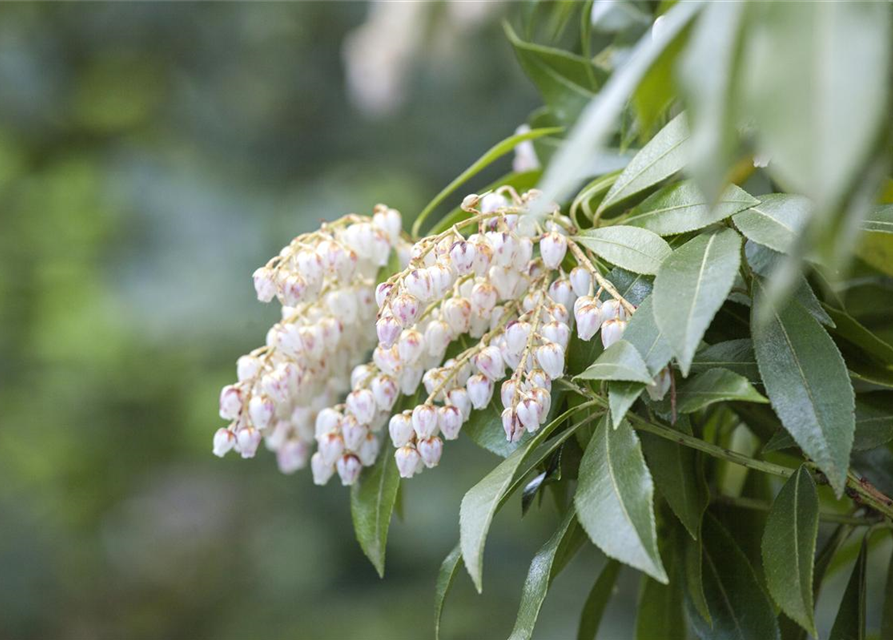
(463, 311)
(325, 282)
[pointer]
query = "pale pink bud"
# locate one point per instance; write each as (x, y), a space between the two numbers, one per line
(478, 325)
(292, 289)
(310, 266)
(389, 221)
(437, 337)
(224, 440)
(507, 393)
(529, 413)
(512, 426)
(538, 378)
(388, 330)
(331, 446)
(517, 334)
(261, 410)
(544, 398)
(430, 449)
(292, 455)
(505, 280)
(612, 310)
(409, 379)
(532, 300)
(612, 331)
(321, 469)
(558, 312)
(369, 450)
(247, 441)
(361, 404)
(589, 320)
(661, 384)
(557, 332)
(353, 432)
(489, 362)
(523, 253)
(408, 461)
(360, 375)
(551, 358)
(503, 247)
(327, 420)
(349, 467)
(459, 398)
(424, 420)
(277, 435)
(560, 291)
(331, 332)
(410, 346)
(449, 421)
(470, 201)
(343, 304)
(388, 360)
(312, 341)
(432, 379)
(483, 254)
(480, 390)
(381, 293)
(553, 246)
(385, 391)
(406, 308)
(483, 298)
(442, 279)
(265, 284)
(400, 429)
(230, 402)
(462, 257)
(492, 202)
(247, 368)
(457, 314)
(581, 281)
(418, 283)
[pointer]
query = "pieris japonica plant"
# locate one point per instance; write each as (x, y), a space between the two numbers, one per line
(676, 313)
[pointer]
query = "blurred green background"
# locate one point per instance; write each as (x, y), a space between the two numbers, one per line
(151, 156)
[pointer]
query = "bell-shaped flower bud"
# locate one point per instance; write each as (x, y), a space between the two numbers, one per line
(462, 256)
(544, 398)
(557, 312)
(557, 332)
(458, 398)
(489, 362)
(388, 360)
(560, 291)
(230, 402)
(442, 278)
(512, 426)
(523, 253)
(437, 337)
(385, 391)
(406, 309)
(292, 456)
(661, 384)
(388, 330)
(247, 441)
(418, 283)
(449, 421)
(507, 393)
(361, 404)
(292, 289)
(480, 390)
(550, 357)
(248, 367)
(331, 446)
(530, 412)
(261, 410)
(400, 429)
(353, 432)
(483, 254)
(410, 346)
(327, 420)
(457, 314)
(493, 202)
(612, 331)
(312, 342)
(503, 247)
(505, 280)
(409, 462)
(224, 440)
(321, 470)
(612, 310)
(483, 298)
(430, 451)
(589, 320)
(265, 284)
(389, 221)
(424, 421)
(369, 450)
(349, 467)
(581, 281)
(517, 334)
(553, 246)
(409, 378)
(382, 291)
(538, 378)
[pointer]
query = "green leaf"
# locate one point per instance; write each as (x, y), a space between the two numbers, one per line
(887, 607)
(372, 500)
(444, 581)
(739, 607)
(484, 427)
(494, 153)
(874, 421)
(691, 287)
(635, 287)
(663, 156)
(562, 78)
(597, 600)
(630, 248)
(679, 476)
(614, 499)
(621, 396)
(734, 355)
(715, 385)
(621, 361)
(481, 502)
(788, 547)
(681, 207)
(776, 222)
(807, 382)
(538, 579)
(851, 330)
(850, 621)
(880, 220)
(643, 334)
(660, 609)
(693, 560)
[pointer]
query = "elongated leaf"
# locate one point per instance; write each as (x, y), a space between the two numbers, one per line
(635, 287)
(538, 578)
(692, 570)
(850, 621)
(807, 382)
(484, 427)
(614, 499)
(660, 611)
(444, 581)
(682, 207)
(664, 155)
(851, 330)
(643, 334)
(679, 476)
(481, 502)
(715, 385)
(874, 421)
(738, 605)
(691, 287)
(372, 500)
(887, 608)
(880, 220)
(734, 355)
(776, 221)
(630, 248)
(494, 153)
(621, 396)
(788, 547)
(597, 600)
(621, 361)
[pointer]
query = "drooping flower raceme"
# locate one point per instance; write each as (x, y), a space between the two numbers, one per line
(482, 309)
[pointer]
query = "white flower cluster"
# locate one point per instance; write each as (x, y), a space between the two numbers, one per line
(500, 299)
(325, 281)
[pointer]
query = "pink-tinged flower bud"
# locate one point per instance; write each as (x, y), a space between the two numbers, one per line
(432, 379)
(292, 289)
(388, 330)
(480, 390)
(388, 360)
(517, 334)
(343, 304)
(483, 298)
(369, 450)
(361, 404)
(247, 441)
(532, 300)
(261, 410)
(557, 332)
(310, 266)
(581, 281)
(400, 429)
(661, 384)
(530, 413)
(331, 332)
(408, 461)
(385, 391)
(247, 368)
(292, 455)
(389, 221)
(505, 280)
(449, 421)
(327, 420)
(523, 253)
(287, 338)
(551, 358)
(230, 402)
(612, 310)
(612, 331)
(406, 309)
(507, 393)
(544, 398)
(589, 320)
(512, 426)
(483, 254)
(560, 291)
(457, 314)
(462, 257)
(479, 325)
(360, 375)
(312, 341)
(430, 450)
(277, 435)
(503, 247)
(538, 378)
(331, 446)
(470, 201)
(442, 278)
(381, 293)
(353, 432)
(584, 301)
(557, 312)
(458, 398)
(409, 378)
(410, 346)
(418, 283)
(265, 284)
(424, 420)
(349, 467)
(489, 362)
(553, 246)
(437, 337)
(224, 440)
(493, 202)
(320, 469)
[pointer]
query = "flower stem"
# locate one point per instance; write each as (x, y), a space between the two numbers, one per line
(602, 282)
